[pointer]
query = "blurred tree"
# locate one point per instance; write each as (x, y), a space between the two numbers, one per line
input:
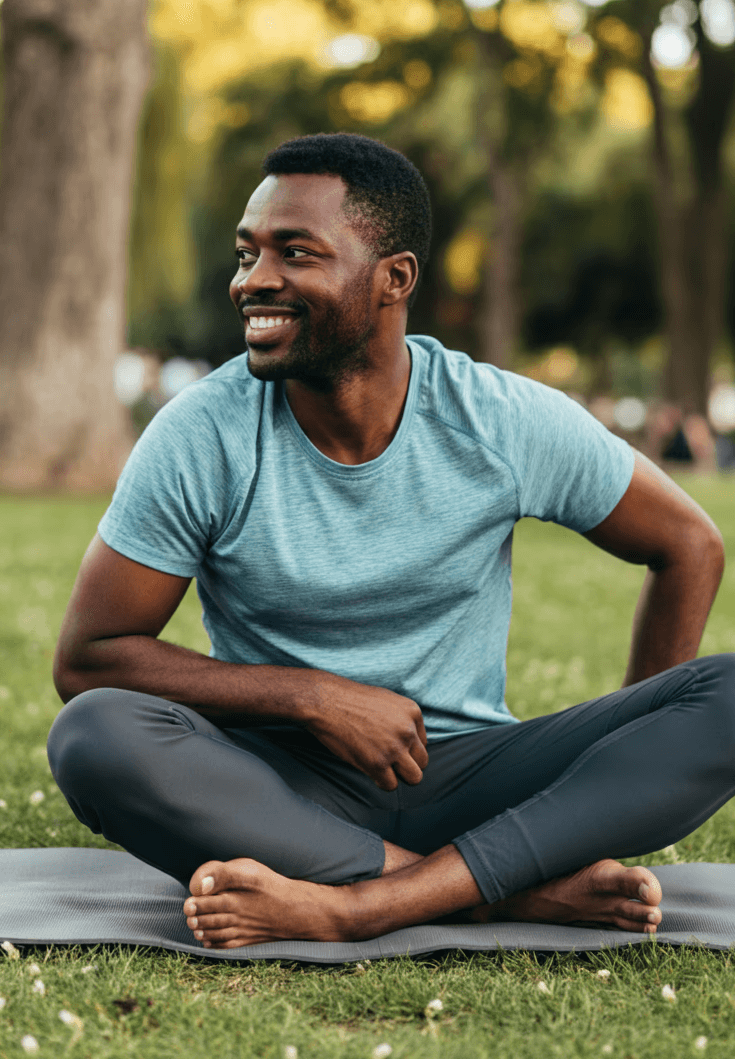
(692, 108)
(162, 271)
(75, 73)
(488, 101)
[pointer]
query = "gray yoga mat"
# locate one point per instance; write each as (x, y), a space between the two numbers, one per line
(89, 896)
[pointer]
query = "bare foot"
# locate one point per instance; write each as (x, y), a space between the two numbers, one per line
(604, 893)
(241, 902)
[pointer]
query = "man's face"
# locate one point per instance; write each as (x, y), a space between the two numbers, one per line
(301, 263)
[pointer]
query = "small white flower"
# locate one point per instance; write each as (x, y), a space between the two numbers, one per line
(10, 950)
(3, 804)
(88, 968)
(33, 968)
(290, 1052)
(701, 1043)
(3, 1002)
(39, 987)
(433, 1007)
(37, 797)
(668, 994)
(359, 969)
(543, 988)
(607, 1048)
(29, 1044)
(603, 974)
(67, 1018)
(382, 1051)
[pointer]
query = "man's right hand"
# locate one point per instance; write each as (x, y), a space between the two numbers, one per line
(378, 731)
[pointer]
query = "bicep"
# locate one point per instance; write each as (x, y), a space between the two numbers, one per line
(655, 522)
(115, 596)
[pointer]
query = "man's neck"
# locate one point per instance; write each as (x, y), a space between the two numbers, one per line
(358, 419)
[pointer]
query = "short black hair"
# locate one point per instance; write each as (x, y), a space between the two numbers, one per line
(387, 201)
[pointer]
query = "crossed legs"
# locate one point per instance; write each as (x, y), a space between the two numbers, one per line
(539, 808)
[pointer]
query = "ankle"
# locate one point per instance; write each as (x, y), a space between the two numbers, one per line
(346, 912)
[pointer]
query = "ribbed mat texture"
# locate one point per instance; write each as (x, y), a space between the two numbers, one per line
(88, 896)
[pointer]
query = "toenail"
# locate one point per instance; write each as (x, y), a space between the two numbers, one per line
(198, 933)
(195, 922)
(652, 917)
(207, 884)
(643, 891)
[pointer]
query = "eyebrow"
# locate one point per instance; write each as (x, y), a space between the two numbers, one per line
(283, 235)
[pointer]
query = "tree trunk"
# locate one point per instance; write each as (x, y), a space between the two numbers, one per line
(708, 118)
(693, 235)
(499, 307)
(75, 74)
(499, 312)
(675, 277)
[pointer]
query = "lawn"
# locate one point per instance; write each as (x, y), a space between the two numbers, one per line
(569, 640)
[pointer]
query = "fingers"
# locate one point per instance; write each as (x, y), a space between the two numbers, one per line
(421, 732)
(409, 767)
(420, 755)
(409, 771)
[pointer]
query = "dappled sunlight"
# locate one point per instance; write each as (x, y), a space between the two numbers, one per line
(614, 33)
(626, 103)
(463, 260)
(268, 31)
(223, 40)
(531, 25)
(374, 102)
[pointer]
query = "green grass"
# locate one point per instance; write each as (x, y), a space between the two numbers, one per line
(569, 642)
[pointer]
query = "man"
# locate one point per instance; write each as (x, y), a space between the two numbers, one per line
(343, 764)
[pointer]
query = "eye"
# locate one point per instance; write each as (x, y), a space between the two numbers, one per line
(240, 253)
(295, 250)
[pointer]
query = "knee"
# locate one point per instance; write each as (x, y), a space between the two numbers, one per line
(716, 690)
(88, 735)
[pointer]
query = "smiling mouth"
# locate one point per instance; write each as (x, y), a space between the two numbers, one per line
(267, 329)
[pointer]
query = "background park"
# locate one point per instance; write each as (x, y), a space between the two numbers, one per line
(580, 158)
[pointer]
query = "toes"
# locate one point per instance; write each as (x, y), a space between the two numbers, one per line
(225, 938)
(638, 913)
(216, 876)
(200, 883)
(609, 876)
(207, 924)
(649, 888)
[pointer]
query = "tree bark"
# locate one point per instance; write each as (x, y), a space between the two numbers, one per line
(693, 234)
(498, 318)
(675, 278)
(499, 307)
(75, 74)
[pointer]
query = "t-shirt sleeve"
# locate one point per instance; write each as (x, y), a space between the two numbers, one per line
(569, 468)
(164, 507)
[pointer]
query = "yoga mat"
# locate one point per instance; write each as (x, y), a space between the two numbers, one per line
(89, 896)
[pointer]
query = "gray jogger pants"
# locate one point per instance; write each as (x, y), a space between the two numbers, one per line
(619, 776)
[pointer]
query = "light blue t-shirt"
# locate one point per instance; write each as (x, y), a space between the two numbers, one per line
(395, 572)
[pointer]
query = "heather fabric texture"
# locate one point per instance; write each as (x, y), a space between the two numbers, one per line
(395, 572)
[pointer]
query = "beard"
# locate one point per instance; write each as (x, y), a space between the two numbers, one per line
(337, 351)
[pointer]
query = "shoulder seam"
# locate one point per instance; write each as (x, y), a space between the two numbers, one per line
(479, 441)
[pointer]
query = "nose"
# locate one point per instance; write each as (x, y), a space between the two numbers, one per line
(263, 274)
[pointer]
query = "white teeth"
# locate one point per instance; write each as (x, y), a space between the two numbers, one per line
(266, 321)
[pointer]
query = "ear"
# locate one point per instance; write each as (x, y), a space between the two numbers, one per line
(399, 274)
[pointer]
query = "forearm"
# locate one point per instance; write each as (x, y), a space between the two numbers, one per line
(671, 615)
(223, 691)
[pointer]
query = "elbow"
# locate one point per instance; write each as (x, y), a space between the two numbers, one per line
(711, 551)
(701, 549)
(69, 679)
